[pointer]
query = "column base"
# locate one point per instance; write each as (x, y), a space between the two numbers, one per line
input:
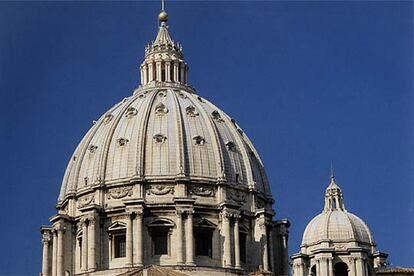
(190, 264)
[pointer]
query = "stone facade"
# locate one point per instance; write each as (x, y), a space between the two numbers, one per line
(165, 178)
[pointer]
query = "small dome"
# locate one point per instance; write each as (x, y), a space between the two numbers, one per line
(337, 226)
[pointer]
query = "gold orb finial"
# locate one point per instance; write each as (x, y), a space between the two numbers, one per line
(163, 16)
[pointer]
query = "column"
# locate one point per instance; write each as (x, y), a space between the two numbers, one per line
(139, 244)
(189, 239)
(54, 252)
(360, 267)
(150, 72)
(145, 71)
(227, 245)
(128, 241)
(158, 72)
(236, 243)
(45, 259)
(265, 250)
(271, 249)
(167, 71)
(354, 268)
(142, 74)
(318, 267)
(182, 73)
(92, 244)
(180, 255)
(84, 252)
(330, 267)
(59, 261)
(175, 72)
(324, 266)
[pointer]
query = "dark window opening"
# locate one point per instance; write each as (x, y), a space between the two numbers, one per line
(242, 246)
(120, 246)
(341, 269)
(313, 271)
(160, 242)
(203, 243)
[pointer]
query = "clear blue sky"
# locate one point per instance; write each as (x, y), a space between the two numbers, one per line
(309, 82)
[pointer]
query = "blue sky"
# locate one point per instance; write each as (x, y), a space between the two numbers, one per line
(309, 82)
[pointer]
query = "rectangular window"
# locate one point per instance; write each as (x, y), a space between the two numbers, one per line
(242, 242)
(203, 243)
(160, 242)
(120, 246)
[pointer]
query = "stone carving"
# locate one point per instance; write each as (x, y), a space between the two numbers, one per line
(122, 141)
(92, 148)
(216, 116)
(162, 94)
(159, 138)
(191, 111)
(86, 200)
(130, 112)
(201, 190)
(199, 140)
(231, 146)
(141, 96)
(161, 109)
(108, 117)
(119, 192)
(237, 196)
(160, 189)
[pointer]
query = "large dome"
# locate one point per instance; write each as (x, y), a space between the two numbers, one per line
(164, 134)
(164, 178)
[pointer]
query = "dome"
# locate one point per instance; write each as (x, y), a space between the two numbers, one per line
(165, 178)
(164, 134)
(335, 224)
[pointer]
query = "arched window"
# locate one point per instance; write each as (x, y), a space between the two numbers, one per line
(160, 230)
(341, 269)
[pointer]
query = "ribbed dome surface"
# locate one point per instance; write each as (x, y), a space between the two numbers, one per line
(164, 134)
(336, 226)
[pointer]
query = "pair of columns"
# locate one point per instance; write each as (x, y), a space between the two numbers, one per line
(227, 219)
(55, 235)
(88, 247)
(134, 239)
(324, 266)
(189, 244)
(359, 267)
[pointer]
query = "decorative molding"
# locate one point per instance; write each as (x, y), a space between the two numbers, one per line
(191, 111)
(201, 190)
(161, 109)
(131, 112)
(216, 116)
(92, 148)
(158, 189)
(122, 141)
(231, 146)
(199, 140)
(119, 192)
(159, 138)
(108, 117)
(237, 196)
(86, 200)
